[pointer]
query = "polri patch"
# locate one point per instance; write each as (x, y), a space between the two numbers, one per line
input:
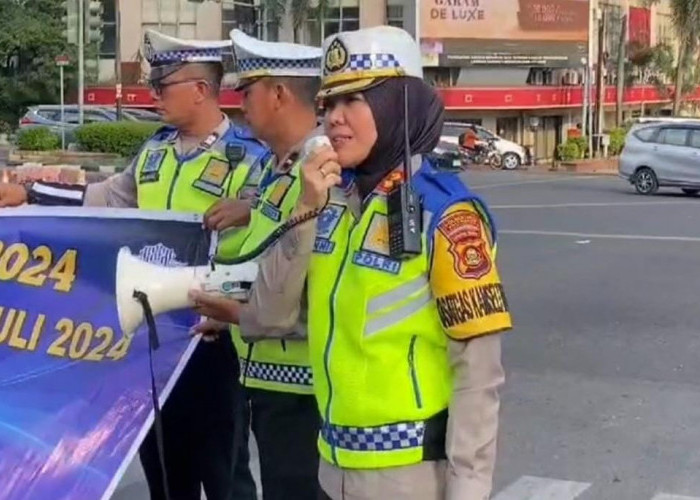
(463, 231)
(150, 172)
(374, 251)
(213, 177)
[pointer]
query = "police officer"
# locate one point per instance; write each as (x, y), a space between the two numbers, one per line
(186, 166)
(279, 83)
(405, 349)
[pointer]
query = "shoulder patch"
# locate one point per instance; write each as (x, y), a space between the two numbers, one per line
(387, 184)
(463, 231)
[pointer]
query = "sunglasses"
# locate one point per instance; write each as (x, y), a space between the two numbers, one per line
(159, 87)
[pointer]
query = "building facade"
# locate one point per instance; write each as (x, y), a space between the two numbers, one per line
(517, 67)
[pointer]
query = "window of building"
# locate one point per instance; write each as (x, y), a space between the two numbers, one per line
(394, 15)
(109, 31)
(171, 17)
(664, 29)
(343, 16)
(248, 17)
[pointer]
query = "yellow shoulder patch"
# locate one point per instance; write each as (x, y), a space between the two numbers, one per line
(464, 278)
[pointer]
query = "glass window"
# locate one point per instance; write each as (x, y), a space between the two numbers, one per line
(109, 31)
(188, 12)
(343, 18)
(483, 134)
(695, 138)
(645, 134)
(50, 114)
(187, 31)
(394, 15)
(150, 10)
(673, 136)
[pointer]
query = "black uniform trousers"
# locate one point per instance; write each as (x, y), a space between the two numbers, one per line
(203, 419)
(286, 430)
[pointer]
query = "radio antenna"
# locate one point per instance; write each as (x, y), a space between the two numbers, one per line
(407, 167)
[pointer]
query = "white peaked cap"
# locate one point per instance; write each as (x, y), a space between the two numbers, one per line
(256, 58)
(356, 60)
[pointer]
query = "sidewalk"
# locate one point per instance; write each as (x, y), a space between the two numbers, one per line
(596, 166)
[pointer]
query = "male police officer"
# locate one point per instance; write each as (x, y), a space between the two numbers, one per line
(279, 82)
(199, 158)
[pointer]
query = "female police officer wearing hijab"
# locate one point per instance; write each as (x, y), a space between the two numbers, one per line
(404, 346)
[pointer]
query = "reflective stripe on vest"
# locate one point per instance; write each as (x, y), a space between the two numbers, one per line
(377, 347)
(274, 365)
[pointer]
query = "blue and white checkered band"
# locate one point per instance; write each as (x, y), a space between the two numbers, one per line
(284, 374)
(261, 63)
(372, 61)
(400, 436)
(189, 55)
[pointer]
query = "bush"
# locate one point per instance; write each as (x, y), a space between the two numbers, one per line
(122, 138)
(582, 145)
(38, 139)
(617, 141)
(569, 150)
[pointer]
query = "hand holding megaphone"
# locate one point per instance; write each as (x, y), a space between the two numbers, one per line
(320, 171)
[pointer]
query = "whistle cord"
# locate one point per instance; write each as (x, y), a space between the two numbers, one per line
(153, 345)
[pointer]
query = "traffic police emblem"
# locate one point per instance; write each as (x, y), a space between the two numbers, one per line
(327, 223)
(336, 57)
(150, 172)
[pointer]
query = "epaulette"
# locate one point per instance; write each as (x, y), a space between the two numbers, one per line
(164, 133)
(245, 134)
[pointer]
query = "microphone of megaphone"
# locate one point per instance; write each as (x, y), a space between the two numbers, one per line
(312, 145)
(167, 287)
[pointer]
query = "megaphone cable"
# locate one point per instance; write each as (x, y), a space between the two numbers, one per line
(153, 345)
(272, 238)
(309, 147)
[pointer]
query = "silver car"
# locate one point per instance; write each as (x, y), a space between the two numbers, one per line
(662, 154)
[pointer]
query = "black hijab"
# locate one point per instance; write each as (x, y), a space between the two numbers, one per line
(425, 117)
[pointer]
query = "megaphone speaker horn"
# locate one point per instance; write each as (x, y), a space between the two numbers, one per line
(167, 287)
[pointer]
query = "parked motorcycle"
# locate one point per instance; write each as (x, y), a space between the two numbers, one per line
(484, 154)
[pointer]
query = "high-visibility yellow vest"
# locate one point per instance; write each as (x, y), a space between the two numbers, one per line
(274, 365)
(194, 182)
(378, 349)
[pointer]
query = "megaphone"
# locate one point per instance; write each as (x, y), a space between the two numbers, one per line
(167, 287)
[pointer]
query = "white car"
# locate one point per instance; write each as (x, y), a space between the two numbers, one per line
(513, 154)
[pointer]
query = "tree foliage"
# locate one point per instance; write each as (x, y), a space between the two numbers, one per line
(31, 36)
(685, 16)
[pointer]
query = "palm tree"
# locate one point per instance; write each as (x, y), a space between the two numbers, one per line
(300, 10)
(685, 16)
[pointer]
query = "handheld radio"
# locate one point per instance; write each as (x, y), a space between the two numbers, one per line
(405, 213)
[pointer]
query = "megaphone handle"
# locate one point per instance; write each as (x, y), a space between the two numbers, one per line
(153, 345)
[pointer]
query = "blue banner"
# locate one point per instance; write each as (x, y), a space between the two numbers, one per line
(75, 398)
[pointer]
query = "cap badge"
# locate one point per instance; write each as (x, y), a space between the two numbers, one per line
(336, 56)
